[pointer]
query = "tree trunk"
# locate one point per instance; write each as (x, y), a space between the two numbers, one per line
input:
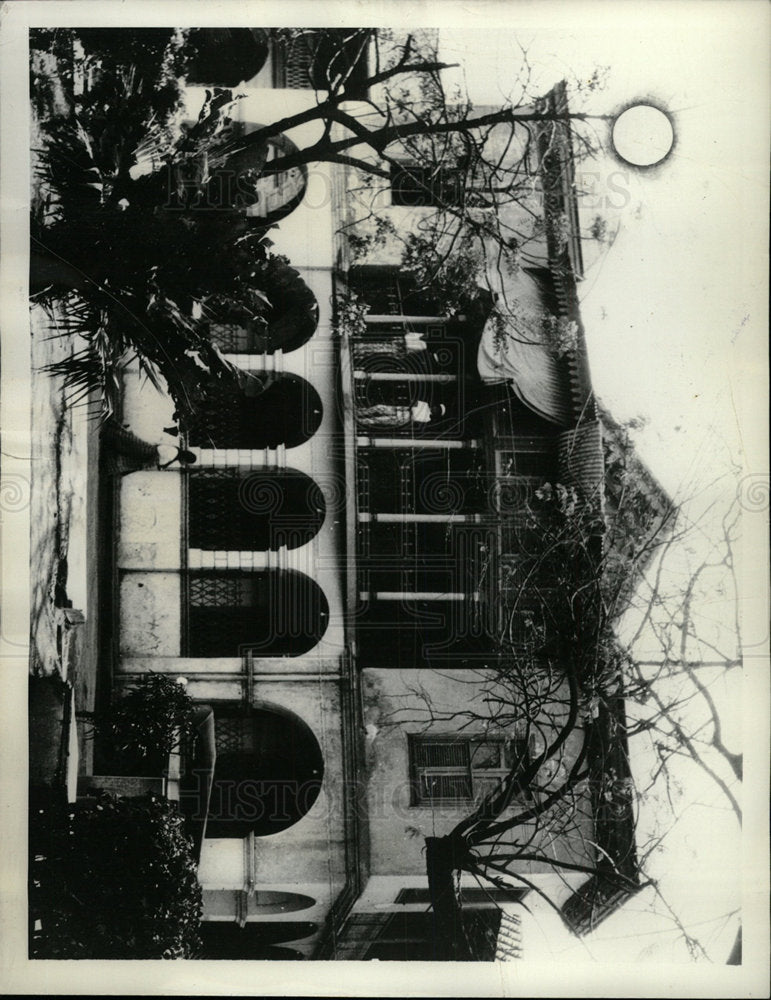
(444, 857)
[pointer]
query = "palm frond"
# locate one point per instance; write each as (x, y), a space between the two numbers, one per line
(86, 375)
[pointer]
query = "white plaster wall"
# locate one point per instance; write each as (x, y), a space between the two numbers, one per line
(145, 410)
(149, 614)
(150, 520)
(310, 855)
(394, 708)
(322, 893)
(380, 891)
(313, 849)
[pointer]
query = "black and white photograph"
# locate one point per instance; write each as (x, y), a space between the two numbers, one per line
(384, 498)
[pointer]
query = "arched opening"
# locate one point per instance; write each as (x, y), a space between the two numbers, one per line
(225, 56)
(254, 941)
(244, 179)
(267, 774)
(223, 903)
(288, 323)
(269, 613)
(269, 410)
(260, 511)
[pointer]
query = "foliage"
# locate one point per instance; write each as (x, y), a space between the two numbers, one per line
(599, 229)
(122, 178)
(350, 313)
(571, 679)
(101, 236)
(118, 881)
(155, 56)
(559, 229)
(451, 277)
(362, 244)
(561, 334)
(148, 722)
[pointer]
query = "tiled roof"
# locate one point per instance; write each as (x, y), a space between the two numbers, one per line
(582, 463)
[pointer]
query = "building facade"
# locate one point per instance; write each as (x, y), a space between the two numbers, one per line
(328, 575)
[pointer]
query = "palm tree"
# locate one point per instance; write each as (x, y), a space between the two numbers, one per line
(125, 255)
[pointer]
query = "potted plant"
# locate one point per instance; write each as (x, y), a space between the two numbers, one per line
(139, 731)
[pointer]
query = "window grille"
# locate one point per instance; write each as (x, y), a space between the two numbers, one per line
(298, 60)
(231, 338)
(231, 510)
(215, 591)
(310, 59)
(388, 291)
(442, 770)
(226, 612)
(409, 936)
(219, 424)
(234, 734)
(430, 187)
(379, 287)
(268, 410)
(271, 612)
(213, 510)
(457, 769)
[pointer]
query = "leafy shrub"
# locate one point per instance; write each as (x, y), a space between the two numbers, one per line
(118, 881)
(147, 724)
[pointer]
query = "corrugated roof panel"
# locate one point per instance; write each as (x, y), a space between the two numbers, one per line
(582, 462)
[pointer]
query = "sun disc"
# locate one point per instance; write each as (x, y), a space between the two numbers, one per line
(643, 135)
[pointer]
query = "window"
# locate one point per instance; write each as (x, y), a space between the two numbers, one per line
(236, 510)
(530, 456)
(529, 605)
(447, 769)
(523, 463)
(270, 612)
(268, 411)
(225, 56)
(244, 179)
(415, 937)
(314, 58)
(429, 187)
(268, 772)
(232, 338)
(288, 323)
(388, 291)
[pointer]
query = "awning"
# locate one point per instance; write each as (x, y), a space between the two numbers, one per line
(530, 368)
(513, 349)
